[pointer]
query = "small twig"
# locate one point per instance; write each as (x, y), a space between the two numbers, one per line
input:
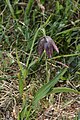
(3, 11)
(62, 64)
(22, 4)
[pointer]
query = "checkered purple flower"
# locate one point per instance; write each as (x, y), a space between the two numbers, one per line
(46, 43)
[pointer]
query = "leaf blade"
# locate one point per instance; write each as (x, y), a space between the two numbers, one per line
(45, 88)
(63, 89)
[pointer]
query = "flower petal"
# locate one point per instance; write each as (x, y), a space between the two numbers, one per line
(49, 49)
(55, 47)
(49, 39)
(40, 47)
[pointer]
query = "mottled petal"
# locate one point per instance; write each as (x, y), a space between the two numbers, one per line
(48, 53)
(40, 49)
(41, 46)
(49, 49)
(55, 47)
(49, 39)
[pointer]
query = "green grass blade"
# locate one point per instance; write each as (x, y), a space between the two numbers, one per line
(1, 78)
(33, 63)
(30, 3)
(47, 22)
(11, 8)
(68, 55)
(63, 89)
(42, 92)
(22, 69)
(69, 30)
(19, 64)
(27, 63)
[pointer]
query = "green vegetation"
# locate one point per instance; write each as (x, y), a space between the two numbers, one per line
(34, 87)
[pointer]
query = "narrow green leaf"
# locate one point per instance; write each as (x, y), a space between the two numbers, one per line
(63, 89)
(11, 8)
(42, 92)
(57, 7)
(68, 55)
(27, 63)
(1, 78)
(33, 63)
(30, 3)
(47, 21)
(21, 84)
(20, 66)
(69, 30)
(23, 71)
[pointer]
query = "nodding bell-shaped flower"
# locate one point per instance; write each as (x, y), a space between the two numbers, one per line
(46, 43)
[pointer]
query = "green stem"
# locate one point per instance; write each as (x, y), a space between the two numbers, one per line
(32, 47)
